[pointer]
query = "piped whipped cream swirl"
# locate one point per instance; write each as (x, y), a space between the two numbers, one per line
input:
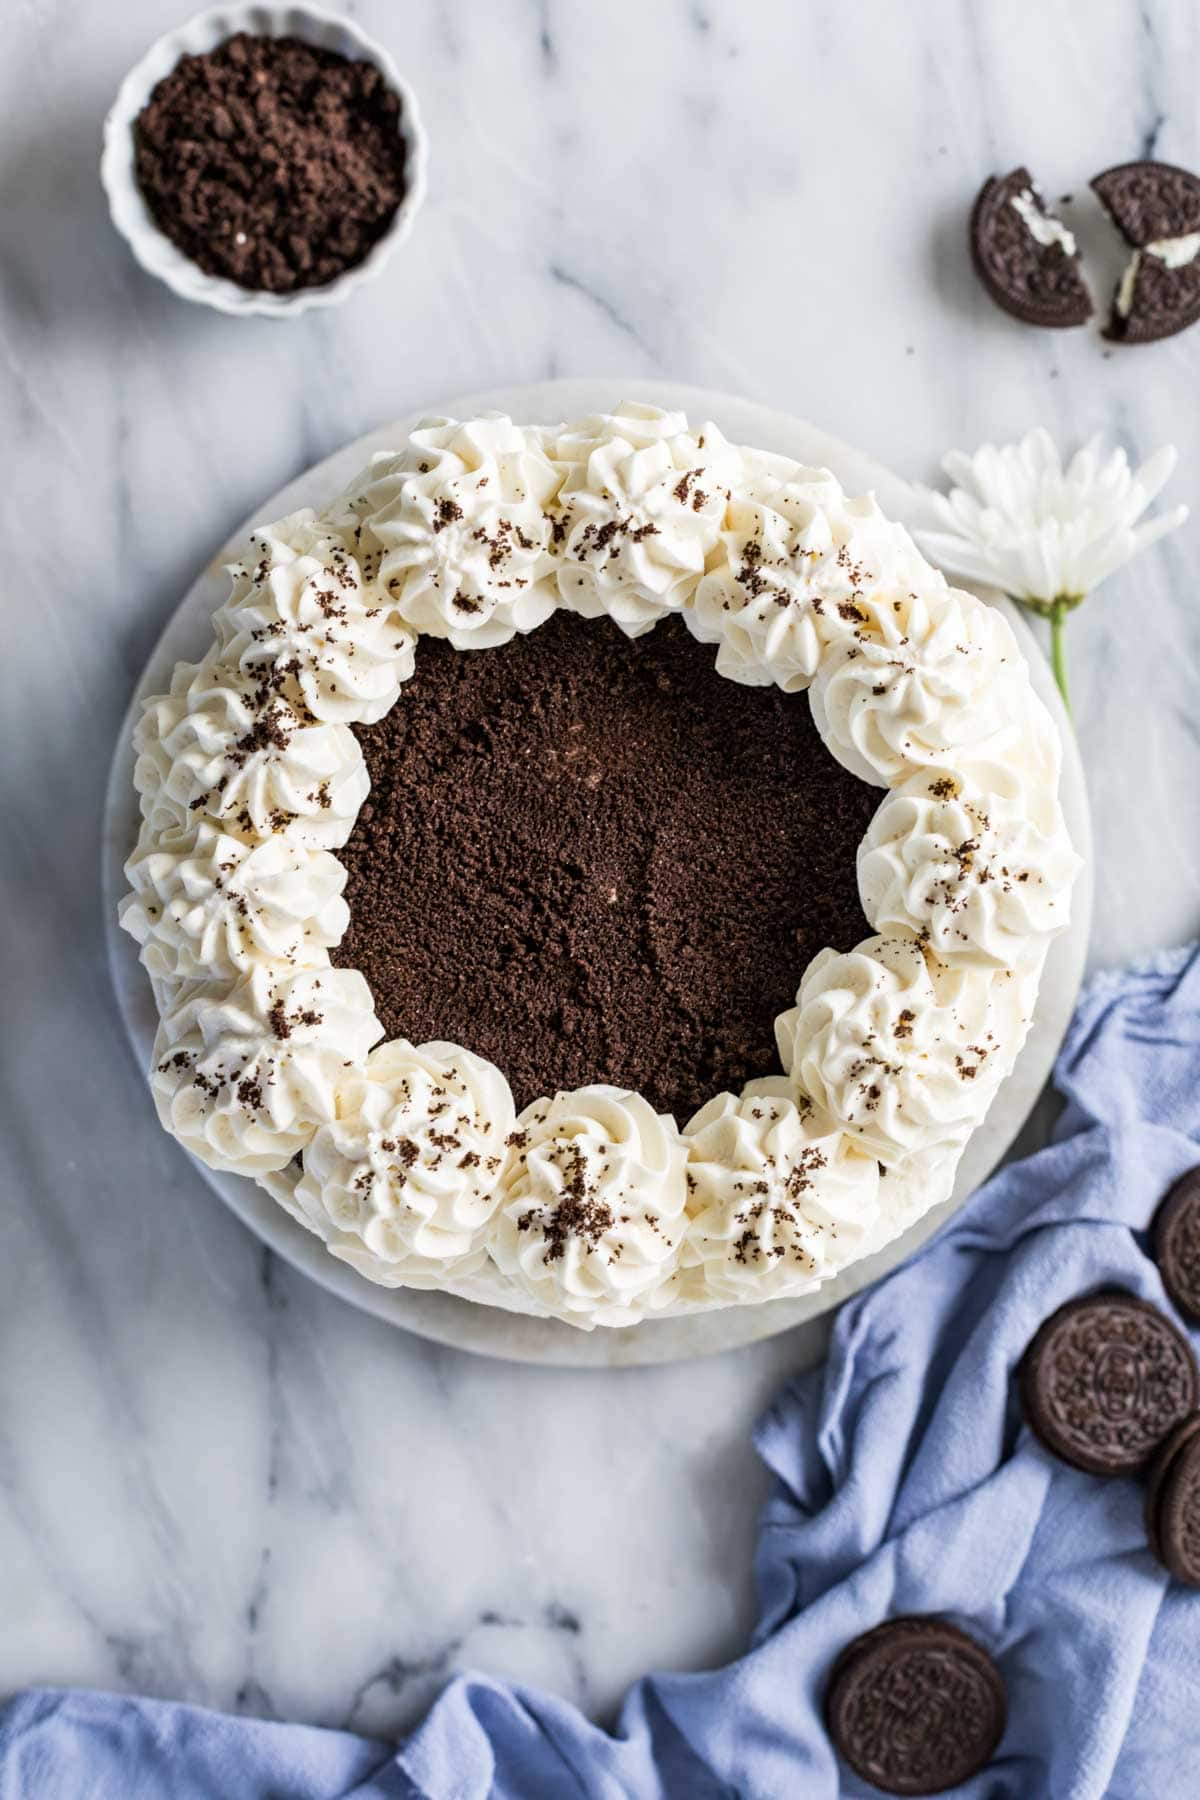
(221, 746)
(642, 503)
(205, 903)
(778, 1196)
(459, 525)
(791, 574)
(593, 1211)
(977, 877)
(245, 1072)
(303, 623)
(403, 1181)
(903, 1052)
(921, 678)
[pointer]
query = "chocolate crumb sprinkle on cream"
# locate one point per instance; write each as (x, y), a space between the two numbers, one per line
(271, 163)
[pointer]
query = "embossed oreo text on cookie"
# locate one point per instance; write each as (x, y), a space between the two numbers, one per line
(1105, 1380)
(916, 1706)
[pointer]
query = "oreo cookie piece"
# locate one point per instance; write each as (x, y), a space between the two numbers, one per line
(1104, 1381)
(1173, 1503)
(1161, 1470)
(1156, 208)
(1024, 256)
(915, 1706)
(1148, 201)
(1176, 1235)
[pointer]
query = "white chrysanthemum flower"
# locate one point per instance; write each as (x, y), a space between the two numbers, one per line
(1018, 520)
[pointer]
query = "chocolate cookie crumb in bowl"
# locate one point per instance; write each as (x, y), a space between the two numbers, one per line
(271, 163)
(1025, 257)
(264, 160)
(1156, 208)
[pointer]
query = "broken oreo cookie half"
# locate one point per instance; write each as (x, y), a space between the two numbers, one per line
(1025, 257)
(1156, 208)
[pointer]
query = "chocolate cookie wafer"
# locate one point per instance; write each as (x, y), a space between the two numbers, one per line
(1024, 256)
(915, 1706)
(1173, 1503)
(1177, 1243)
(1104, 1381)
(1156, 208)
(1160, 1469)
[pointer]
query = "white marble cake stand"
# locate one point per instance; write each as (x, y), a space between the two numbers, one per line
(488, 1330)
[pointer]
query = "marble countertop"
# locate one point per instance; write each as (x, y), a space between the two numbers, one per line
(216, 1481)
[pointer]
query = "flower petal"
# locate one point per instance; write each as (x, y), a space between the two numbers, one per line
(1016, 519)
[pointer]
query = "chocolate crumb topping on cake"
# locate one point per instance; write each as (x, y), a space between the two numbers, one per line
(597, 860)
(271, 163)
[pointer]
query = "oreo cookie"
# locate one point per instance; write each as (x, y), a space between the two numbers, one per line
(1156, 208)
(1176, 1234)
(915, 1706)
(1024, 256)
(1160, 1469)
(1148, 201)
(1173, 1503)
(1105, 1380)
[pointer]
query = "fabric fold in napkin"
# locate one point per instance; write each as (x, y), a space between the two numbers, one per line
(906, 1481)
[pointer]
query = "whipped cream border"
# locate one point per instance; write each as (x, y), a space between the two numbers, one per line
(476, 530)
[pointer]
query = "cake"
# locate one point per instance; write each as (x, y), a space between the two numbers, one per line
(594, 977)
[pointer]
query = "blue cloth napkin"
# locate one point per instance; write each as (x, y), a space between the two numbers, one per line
(906, 1482)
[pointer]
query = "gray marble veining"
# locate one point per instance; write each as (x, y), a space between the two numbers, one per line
(215, 1480)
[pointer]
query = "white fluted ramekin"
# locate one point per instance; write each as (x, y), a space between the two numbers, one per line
(132, 217)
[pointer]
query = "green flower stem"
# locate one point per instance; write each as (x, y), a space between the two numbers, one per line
(1058, 618)
(1056, 611)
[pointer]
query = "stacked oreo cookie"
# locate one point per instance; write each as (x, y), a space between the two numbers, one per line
(1110, 1385)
